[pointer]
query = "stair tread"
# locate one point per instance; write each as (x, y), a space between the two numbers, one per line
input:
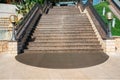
(61, 48)
(61, 44)
(64, 45)
(72, 41)
(64, 51)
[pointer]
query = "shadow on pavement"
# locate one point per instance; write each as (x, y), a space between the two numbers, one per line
(62, 61)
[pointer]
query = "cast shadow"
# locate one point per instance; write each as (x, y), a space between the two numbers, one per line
(62, 61)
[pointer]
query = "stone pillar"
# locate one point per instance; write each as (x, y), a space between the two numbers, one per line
(12, 47)
(110, 46)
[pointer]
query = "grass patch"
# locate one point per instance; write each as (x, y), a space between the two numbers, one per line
(99, 9)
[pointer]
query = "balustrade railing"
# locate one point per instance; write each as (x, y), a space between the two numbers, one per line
(25, 28)
(98, 21)
(102, 24)
(117, 5)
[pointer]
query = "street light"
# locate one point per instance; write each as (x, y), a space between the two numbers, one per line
(109, 17)
(13, 19)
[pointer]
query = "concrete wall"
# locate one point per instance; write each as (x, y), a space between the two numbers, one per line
(7, 9)
(3, 46)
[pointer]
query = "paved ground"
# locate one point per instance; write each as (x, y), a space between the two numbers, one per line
(10, 68)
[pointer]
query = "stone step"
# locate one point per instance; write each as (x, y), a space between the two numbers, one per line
(63, 26)
(63, 18)
(81, 14)
(54, 10)
(67, 40)
(63, 47)
(62, 7)
(60, 35)
(63, 32)
(62, 29)
(80, 21)
(37, 44)
(76, 16)
(89, 51)
(63, 37)
(45, 39)
(64, 21)
(64, 13)
(58, 17)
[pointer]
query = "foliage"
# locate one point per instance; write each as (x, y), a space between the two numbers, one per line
(24, 6)
(99, 9)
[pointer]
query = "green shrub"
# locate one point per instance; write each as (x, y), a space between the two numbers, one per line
(99, 9)
(24, 6)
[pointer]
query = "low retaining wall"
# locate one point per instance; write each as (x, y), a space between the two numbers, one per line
(117, 43)
(3, 46)
(10, 47)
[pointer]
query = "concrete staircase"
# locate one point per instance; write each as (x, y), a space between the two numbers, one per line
(64, 30)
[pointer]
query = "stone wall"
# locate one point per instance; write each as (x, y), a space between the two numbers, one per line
(117, 43)
(3, 46)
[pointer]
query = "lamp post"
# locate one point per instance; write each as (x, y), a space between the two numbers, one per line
(13, 19)
(109, 17)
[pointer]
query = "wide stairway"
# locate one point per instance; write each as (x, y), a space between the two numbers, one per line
(64, 30)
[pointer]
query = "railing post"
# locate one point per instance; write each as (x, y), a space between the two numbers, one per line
(13, 19)
(109, 17)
